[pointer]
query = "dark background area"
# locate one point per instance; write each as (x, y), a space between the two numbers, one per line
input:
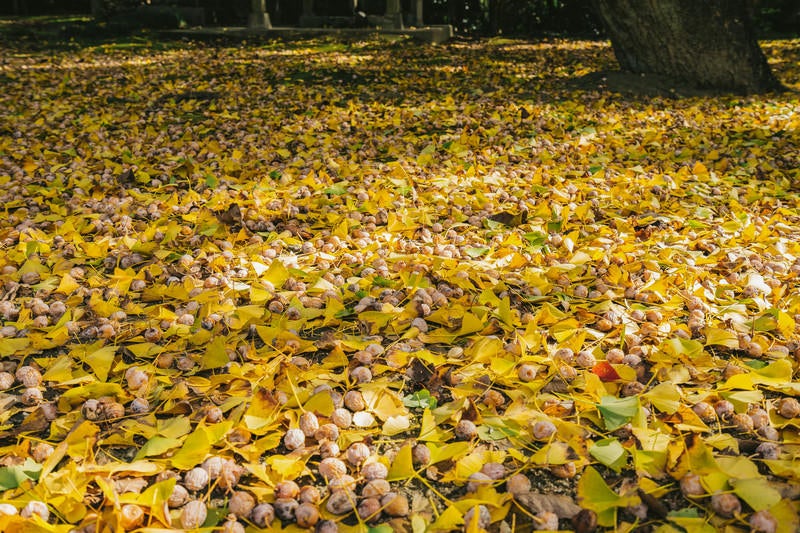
(477, 17)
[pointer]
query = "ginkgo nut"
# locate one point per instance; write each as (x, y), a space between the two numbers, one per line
(724, 409)
(357, 453)
(769, 433)
(543, 429)
(29, 376)
(340, 502)
(585, 359)
(354, 401)
(31, 396)
(331, 467)
(309, 494)
(705, 411)
(466, 429)
(527, 372)
(241, 504)
(769, 450)
(726, 504)
(477, 480)
(287, 489)
(6, 380)
(306, 515)
(327, 432)
(309, 423)
(131, 516)
(329, 449)
(479, 515)
(615, 356)
(196, 479)
(395, 504)
(232, 525)
(178, 497)
(262, 515)
(742, 422)
(518, 484)
(788, 407)
(369, 508)
(546, 521)
(421, 454)
(763, 522)
(6, 509)
(41, 451)
(285, 508)
(342, 482)
(35, 507)
(567, 470)
(193, 514)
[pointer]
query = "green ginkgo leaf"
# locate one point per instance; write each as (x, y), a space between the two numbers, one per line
(617, 412)
(12, 477)
(610, 453)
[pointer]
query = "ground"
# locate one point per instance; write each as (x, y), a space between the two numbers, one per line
(430, 282)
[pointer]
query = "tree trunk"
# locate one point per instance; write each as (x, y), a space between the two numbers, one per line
(707, 44)
(97, 9)
(494, 17)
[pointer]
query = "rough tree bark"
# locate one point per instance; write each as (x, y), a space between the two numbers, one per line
(707, 44)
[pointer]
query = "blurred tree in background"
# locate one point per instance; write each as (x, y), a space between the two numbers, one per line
(468, 17)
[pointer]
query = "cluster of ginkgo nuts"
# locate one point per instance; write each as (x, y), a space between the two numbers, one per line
(222, 472)
(727, 504)
(756, 418)
(33, 507)
(356, 478)
(107, 408)
(517, 485)
(28, 376)
(42, 314)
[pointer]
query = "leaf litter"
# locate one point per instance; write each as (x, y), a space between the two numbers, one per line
(367, 286)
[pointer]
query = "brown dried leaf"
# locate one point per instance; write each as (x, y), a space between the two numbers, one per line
(536, 502)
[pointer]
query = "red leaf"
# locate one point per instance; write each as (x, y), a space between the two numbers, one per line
(605, 371)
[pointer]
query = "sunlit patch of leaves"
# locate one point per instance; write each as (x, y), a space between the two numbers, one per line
(385, 286)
